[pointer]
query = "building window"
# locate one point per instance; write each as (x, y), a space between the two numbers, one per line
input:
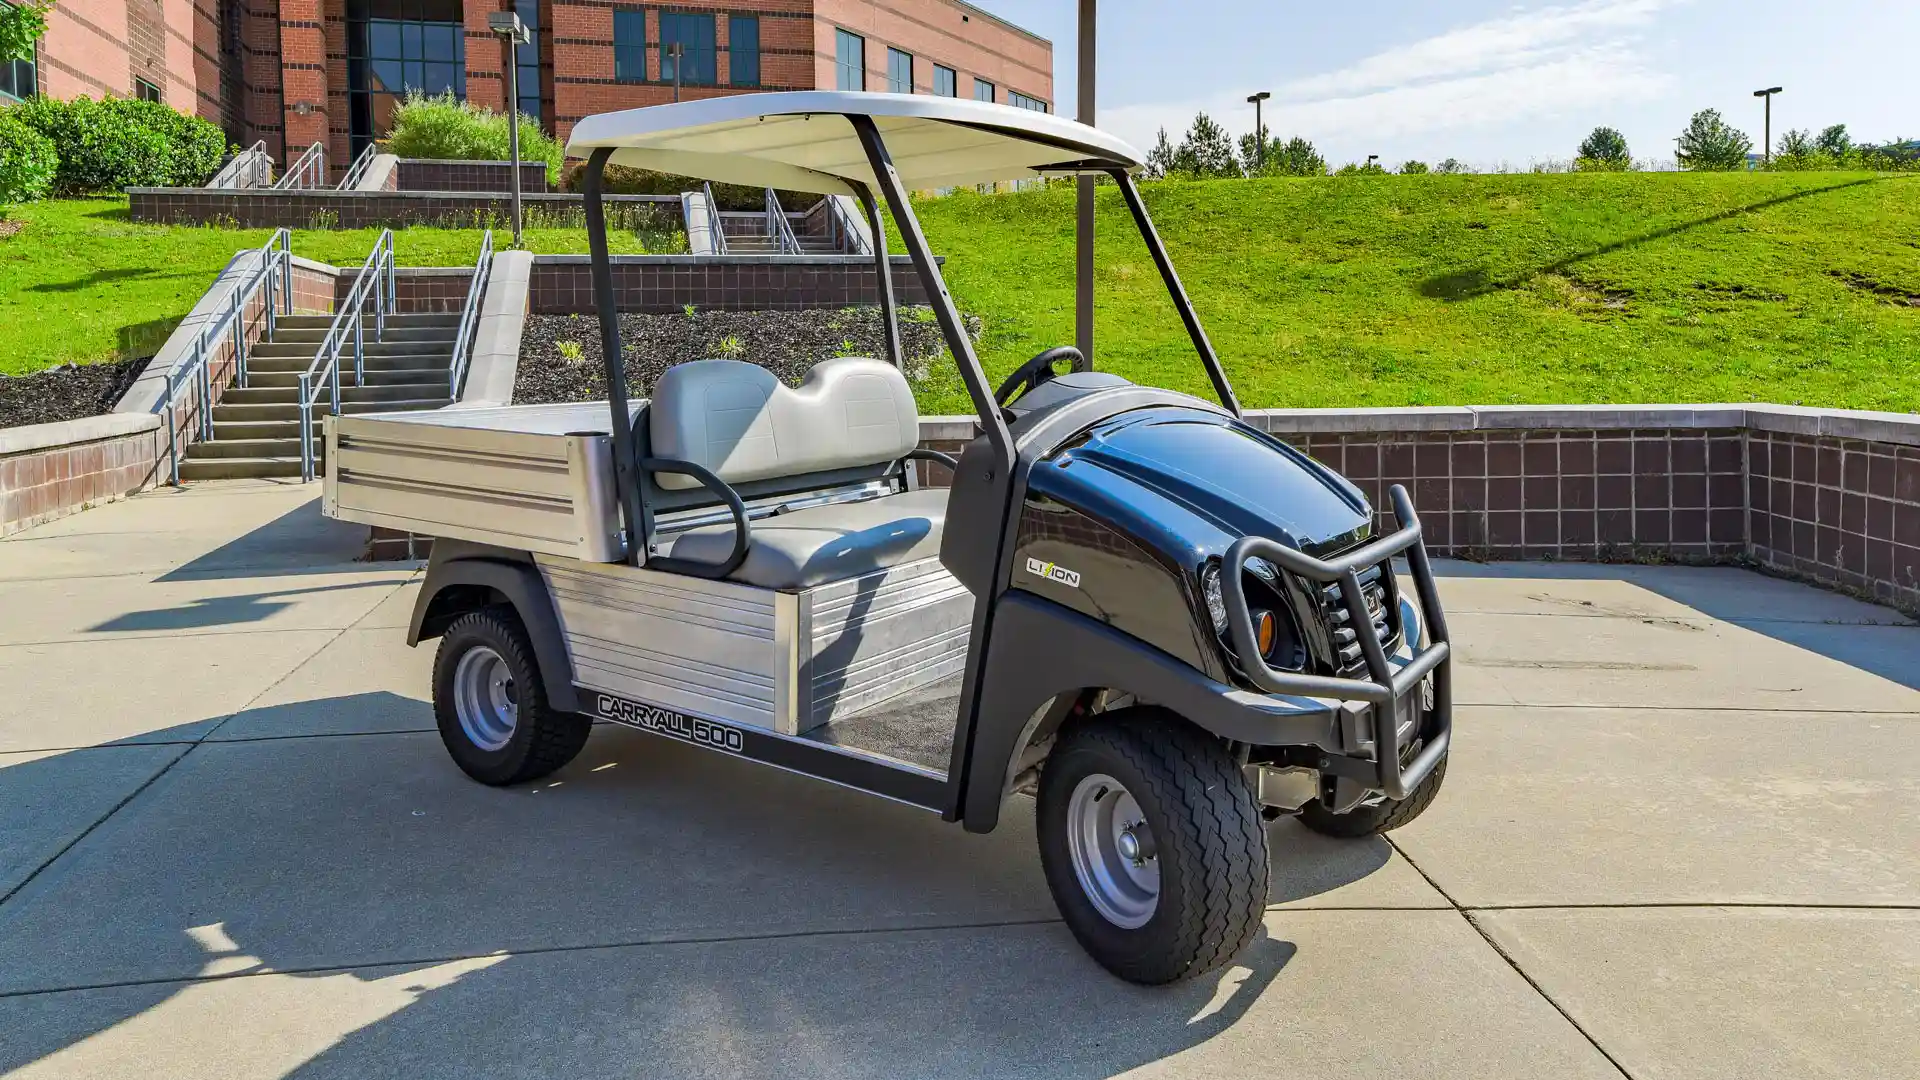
(697, 63)
(849, 61)
(145, 90)
(945, 82)
(17, 77)
(899, 72)
(743, 50)
(397, 46)
(1021, 101)
(629, 45)
(982, 90)
(526, 58)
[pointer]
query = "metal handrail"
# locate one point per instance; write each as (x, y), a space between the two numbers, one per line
(252, 162)
(470, 315)
(309, 170)
(846, 233)
(274, 270)
(779, 228)
(714, 223)
(357, 170)
(376, 275)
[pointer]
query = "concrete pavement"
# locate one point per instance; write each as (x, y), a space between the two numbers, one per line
(1677, 841)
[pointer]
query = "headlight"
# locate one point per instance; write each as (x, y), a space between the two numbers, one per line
(1216, 603)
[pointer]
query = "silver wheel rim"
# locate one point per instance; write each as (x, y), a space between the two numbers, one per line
(484, 698)
(1113, 850)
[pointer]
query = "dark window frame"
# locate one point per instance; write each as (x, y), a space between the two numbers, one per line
(629, 54)
(19, 73)
(735, 54)
(145, 90)
(895, 59)
(952, 80)
(843, 69)
(992, 90)
(1027, 101)
(698, 66)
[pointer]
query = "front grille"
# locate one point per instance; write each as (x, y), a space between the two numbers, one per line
(1346, 643)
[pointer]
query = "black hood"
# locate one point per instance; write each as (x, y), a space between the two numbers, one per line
(1190, 482)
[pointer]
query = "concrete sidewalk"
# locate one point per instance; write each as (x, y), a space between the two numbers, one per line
(1677, 840)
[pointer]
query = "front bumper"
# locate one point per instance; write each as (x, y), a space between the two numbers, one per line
(1378, 717)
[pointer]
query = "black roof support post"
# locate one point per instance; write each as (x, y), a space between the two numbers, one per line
(944, 312)
(883, 277)
(625, 457)
(1221, 387)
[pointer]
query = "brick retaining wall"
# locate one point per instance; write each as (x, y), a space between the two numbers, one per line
(257, 208)
(430, 174)
(656, 284)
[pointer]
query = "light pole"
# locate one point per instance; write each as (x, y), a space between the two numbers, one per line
(512, 33)
(676, 50)
(1259, 130)
(1371, 158)
(1083, 224)
(1766, 147)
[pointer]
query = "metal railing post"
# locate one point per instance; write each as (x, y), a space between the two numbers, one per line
(359, 354)
(240, 344)
(306, 427)
(334, 383)
(173, 448)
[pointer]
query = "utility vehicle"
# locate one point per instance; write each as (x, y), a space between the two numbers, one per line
(1164, 624)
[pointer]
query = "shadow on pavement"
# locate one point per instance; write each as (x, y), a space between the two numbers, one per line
(1874, 639)
(222, 610)
(301, 540)
(652, 909)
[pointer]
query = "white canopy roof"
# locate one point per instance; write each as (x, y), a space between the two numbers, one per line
(801, 140)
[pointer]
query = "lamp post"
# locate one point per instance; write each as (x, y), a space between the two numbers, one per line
(1371, 158)
(1259, 130)
(676, 50)
(1083, 224)
(1766, 147)
(512, 33)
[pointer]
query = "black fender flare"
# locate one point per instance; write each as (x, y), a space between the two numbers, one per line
(1040, 650)
(520, 582)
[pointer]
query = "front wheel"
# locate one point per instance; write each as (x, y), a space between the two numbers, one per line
(1152, 845)
(491, 707)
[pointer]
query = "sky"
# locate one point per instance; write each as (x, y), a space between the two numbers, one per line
(1486, 82)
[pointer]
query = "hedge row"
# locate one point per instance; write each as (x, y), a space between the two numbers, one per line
(103, 146)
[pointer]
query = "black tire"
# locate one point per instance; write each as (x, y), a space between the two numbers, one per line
(543, 738)
(1381, 817)
(1211, 844)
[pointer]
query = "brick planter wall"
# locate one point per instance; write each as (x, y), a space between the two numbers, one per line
(429, 174)
(416, 289)
(656, 284)
(88, 462)
(257, 208)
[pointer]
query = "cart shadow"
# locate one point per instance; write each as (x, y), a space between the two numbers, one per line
(891, 944)
(300, 541)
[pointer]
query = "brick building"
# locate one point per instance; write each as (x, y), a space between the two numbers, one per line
(295, 72)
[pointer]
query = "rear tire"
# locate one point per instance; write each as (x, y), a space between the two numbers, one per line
(1175, 898)
(491, 707)
(1381, 817)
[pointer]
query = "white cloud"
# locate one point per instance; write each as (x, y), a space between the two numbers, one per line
(1522, 65)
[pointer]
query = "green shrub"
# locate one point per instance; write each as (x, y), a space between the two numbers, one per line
(27, 161)
(116, 143)
(446, 127)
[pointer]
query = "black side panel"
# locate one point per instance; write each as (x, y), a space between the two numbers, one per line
(976, 510)
(1041, 650)
(457, 565)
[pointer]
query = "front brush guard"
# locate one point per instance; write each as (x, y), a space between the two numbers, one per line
(1385, 689)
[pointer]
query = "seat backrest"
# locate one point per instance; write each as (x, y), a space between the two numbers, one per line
(742, 423)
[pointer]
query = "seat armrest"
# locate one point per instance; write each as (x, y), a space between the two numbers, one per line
(742, 527)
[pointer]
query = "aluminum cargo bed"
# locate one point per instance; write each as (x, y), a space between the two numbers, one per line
(528, 477)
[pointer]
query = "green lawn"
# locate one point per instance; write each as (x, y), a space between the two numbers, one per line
(81, 283)
(1431, 290)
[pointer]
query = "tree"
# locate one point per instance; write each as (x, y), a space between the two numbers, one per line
(1252, 162)
(1371, 168)
(1452, 167)
(1414, 168)
(1294, 157)
(21, 24)
(1206, 151)
(1160, 159)
(1835, 141)
(1604, 151)
(1710, 144)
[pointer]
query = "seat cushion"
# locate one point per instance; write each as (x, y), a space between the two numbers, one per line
(740, 422)
(807, 547)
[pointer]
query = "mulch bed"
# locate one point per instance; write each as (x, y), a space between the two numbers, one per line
(67, 392)
(560, 357)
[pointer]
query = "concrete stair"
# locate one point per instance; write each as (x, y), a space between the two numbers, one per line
(256, 428)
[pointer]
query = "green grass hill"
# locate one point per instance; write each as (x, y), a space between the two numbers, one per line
(1436, 290)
